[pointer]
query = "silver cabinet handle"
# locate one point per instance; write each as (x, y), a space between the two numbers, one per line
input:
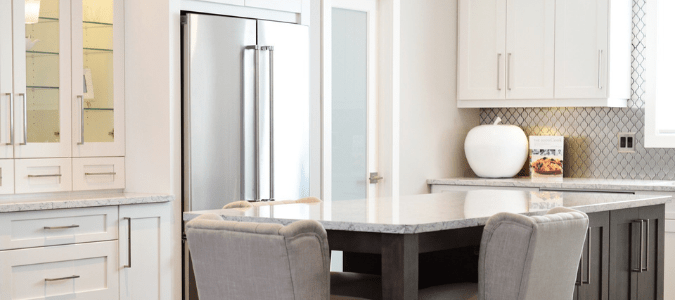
(25, 120)
(102, 173)
(646, 268)
(128, 265)
(578, 281)
(258, 164)
(11, 119)
(508, 72)
(81, 97)
(44, 175)
(499, 78)
(271, 92)
(61, 227)
(588, 271)
(639, 268)
(599, 69)
(62, 278)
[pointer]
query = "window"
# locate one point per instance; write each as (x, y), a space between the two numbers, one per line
(660, 72)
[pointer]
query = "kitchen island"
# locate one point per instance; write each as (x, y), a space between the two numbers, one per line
(400, 228)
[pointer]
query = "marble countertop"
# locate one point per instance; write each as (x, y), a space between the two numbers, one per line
(430, 212)
(41, 202)
(564, 183)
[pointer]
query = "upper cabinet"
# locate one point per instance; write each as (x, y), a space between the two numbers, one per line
(61, 91)
(544, 53)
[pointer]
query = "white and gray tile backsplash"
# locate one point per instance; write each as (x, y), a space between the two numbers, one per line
(591, 133)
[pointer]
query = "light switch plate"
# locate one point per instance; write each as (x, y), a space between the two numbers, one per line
(626, 142)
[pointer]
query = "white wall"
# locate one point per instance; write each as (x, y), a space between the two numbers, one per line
(432, 127)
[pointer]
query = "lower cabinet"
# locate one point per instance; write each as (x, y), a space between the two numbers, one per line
(104, 253)
(78, 271)
(637, 253)
(144, 233)
(593, 276)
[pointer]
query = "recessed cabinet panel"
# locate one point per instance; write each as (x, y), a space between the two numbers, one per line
(530, 50)
(482, 49)
(80, 271)
(581, 45)
(98, 76)
(43, 175)
(6, 176)
(98, 173)
(41, 76)
(286, 5)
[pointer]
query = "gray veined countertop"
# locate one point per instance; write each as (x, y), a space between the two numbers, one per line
(564, 183)
(431, 212)
(77, 200)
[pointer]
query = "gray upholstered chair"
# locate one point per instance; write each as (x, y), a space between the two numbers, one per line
(524, 258)
(242, 260)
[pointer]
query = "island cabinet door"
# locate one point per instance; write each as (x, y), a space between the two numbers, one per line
(144, 245)
(593, 277)
(637, 253)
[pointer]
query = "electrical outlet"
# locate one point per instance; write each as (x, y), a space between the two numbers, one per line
(626, 142)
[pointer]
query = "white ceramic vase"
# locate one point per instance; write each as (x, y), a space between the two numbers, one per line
(496, 151)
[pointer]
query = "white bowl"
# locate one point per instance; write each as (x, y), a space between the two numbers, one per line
(496, 151)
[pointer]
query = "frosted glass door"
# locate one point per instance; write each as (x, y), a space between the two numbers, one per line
(97, 78)
(349, 104)
(41, 78)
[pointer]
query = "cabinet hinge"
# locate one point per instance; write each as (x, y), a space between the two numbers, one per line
(183, 20)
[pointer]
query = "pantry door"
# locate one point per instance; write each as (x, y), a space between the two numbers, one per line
(350, 148)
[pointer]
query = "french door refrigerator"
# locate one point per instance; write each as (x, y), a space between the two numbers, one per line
(245, 112)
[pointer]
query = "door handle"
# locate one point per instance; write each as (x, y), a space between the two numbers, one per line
(62, 278)
(599, 68)
(271, 108)
(25, 120)
(508, 72)
(374, 178)
(256, 125)
(499, 78)
(81, 97)
(589, 253)
(61, 227)
(128, 265)
(639, 269)
(646, 268)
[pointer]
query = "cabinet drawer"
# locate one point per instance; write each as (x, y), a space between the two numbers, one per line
(98, 173)
(6, 176)
(43, 175)
(57, 227)
(81, 271)
(287, 5)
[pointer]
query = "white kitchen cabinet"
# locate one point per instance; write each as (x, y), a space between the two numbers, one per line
(557, 53)
(43, 175)
(98, 173)
(530, 49)
(144, 244)
(6, 176)
(286, 5)
(78, 271)
(482, 50)
(61, 90)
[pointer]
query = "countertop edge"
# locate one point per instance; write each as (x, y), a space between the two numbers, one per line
(83, 202)
(592, 184)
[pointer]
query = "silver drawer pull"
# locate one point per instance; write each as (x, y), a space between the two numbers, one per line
(45, 175)
(104, 173)
(61, 227)
(62, 278)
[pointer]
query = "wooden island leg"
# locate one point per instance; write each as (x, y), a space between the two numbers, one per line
(400, 269)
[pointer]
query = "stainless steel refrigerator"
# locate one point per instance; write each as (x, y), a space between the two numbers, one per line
(245, 112)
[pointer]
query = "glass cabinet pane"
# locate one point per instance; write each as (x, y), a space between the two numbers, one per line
(97, 31)
(43, 73)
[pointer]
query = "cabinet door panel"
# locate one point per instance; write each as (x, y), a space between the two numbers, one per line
(597, 287)
(6, 176)
(650, 281)
(43, 175)
(42, 76)
(144, 262)
(98, 58)
(6, 89)
(624, 236)
(287, 5)
(482, 47)
(530, 49)
(581, 49)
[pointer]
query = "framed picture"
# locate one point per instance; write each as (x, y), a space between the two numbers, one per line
(88, 85)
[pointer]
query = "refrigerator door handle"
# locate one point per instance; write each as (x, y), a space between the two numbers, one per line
(256, 128)
(271, 108)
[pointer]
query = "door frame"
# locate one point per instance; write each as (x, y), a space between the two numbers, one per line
(370, 7)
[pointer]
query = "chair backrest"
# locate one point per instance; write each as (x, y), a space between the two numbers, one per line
(528, 258)
(242, 261)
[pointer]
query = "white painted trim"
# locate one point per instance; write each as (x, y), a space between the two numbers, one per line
(602, 102)
(653, 139)
(239, 11)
